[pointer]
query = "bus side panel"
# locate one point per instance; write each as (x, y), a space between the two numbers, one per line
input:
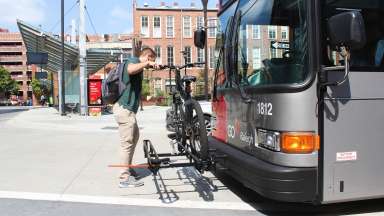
(354, 138)
(219, 112)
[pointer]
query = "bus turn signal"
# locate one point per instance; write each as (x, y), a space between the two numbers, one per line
(299, 143)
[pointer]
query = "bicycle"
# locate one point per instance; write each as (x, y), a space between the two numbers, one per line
(187, 119)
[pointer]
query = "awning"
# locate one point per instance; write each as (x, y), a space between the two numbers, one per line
(37, 40)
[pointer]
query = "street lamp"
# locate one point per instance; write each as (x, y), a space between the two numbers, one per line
(205, 10)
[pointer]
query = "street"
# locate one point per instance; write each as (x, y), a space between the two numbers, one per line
(54, 165)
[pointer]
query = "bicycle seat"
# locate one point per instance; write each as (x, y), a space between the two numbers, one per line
(189, 79)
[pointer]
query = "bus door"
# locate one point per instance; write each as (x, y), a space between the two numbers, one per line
(353, 116)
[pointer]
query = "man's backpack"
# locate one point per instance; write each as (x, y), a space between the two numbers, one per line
(113, 85)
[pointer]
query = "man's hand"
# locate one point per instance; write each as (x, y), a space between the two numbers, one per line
(153, 65)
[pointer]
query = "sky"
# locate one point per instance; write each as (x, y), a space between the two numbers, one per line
(108, 16)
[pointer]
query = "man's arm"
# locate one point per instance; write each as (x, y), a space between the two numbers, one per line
(139, 67)
(136, 68)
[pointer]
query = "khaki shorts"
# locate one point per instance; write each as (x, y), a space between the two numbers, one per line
(129, 133)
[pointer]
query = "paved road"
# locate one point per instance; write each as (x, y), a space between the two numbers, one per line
(48, 208)
(52, 165)
(7, 113)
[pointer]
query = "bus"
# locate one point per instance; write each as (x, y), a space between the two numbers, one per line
(298, 98)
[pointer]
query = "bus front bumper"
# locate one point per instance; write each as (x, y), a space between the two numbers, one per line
(288, 184)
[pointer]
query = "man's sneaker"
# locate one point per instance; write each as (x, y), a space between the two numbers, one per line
(130, 182)
(134, 173)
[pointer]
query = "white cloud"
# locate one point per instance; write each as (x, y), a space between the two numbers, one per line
(31, 11)
(120, 13)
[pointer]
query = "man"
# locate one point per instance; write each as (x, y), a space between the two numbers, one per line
(125, 110)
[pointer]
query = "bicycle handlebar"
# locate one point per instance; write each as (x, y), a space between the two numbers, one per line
(162, 67)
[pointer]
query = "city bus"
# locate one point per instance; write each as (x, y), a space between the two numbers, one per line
(298, 98)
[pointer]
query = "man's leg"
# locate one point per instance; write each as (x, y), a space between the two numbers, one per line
(128, 131)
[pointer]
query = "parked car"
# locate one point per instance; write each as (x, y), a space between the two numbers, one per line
(5, 102)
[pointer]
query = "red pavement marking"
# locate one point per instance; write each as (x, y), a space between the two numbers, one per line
(131, 166)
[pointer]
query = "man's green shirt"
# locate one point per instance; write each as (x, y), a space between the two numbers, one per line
(130, 97)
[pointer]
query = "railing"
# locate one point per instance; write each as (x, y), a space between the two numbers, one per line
(15, 67)
(11, 49)
(11, 58)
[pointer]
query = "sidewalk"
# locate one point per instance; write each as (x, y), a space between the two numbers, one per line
(48, 156)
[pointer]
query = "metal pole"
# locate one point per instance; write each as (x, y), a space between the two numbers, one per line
(82, 61)
(62, 71)
(205, 8)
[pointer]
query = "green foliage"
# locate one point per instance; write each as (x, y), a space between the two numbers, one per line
(163, 99)
(145, 88)
(7, 84)
(41, 87)
(37, 88)
(159, 93)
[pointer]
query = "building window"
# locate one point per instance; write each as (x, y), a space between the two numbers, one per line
(200, 56)
(144, 26)
(273, 53)
(170, 55)
(188, 53)
(284, 33)
(157, 27)
(212, 57)
(212, 27)
(256, 58)
(272, 32)
(170, 26)
(158, 54)
(255, 32)
(187, 30)
(200, 22)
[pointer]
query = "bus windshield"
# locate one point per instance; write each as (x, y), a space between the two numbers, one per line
(272, 42)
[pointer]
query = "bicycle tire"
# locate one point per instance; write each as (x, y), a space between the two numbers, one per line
(200, 128)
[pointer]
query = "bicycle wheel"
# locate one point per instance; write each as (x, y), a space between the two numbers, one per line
(198, 133)
(179, 125)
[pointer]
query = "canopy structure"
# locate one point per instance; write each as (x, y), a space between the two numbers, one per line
(37, 40)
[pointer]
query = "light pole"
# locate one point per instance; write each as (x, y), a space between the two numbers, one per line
(61, 72)
(205, 10)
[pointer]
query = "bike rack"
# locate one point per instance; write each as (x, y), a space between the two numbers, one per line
(158, 161)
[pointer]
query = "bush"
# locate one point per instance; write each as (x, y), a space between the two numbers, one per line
(145, 88)
(40, 87)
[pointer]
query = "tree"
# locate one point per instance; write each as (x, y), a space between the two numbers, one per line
(7, 84)
(40, 87)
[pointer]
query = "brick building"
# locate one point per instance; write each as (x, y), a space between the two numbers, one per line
(168, 29)
(13, 57)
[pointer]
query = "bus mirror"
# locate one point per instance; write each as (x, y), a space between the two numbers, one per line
(347, 30)
(199, 38)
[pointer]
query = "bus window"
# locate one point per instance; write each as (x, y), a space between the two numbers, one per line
(371, 56)
(272, 42)
(223, 34)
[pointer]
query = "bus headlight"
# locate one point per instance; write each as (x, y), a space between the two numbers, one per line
(268, 139)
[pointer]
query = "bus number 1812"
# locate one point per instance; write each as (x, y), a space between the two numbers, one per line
(264, 109)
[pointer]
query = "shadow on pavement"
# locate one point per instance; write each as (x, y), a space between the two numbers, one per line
(202, 185)
(271, 207)
(11, 110)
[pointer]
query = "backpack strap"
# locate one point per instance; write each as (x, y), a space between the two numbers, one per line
(121, 71)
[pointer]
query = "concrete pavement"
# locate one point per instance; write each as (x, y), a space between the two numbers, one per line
(63, 158)
(55, 161)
